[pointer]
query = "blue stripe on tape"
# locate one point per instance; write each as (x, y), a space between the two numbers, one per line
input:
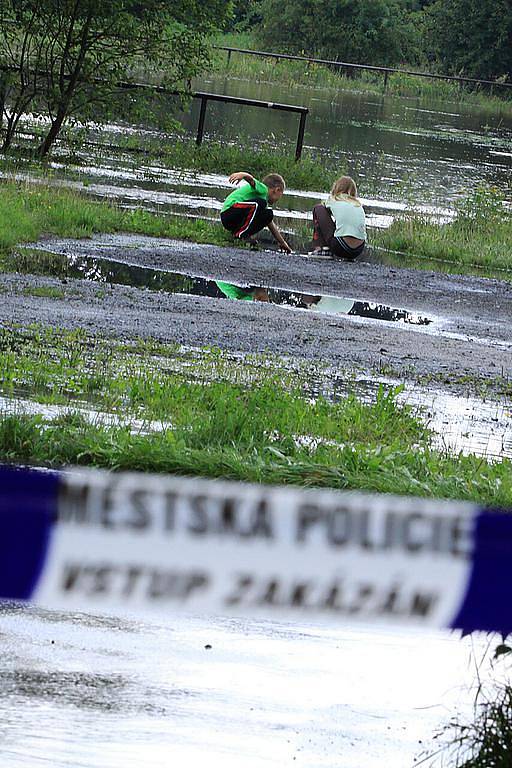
(28, 504)
(487, 605)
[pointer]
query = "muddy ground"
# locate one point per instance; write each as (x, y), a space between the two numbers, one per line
(469, 342)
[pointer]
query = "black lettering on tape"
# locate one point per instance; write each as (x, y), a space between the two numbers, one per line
(193, 582)
(128, 581)
(102, 579)
(360, 602)
(198, 523)
(169, 511)
(71, 577)
(73, 503)
(389, 604)
(133, 576)
(461, 539)
(261, 521)
(308, 515)
(299, 594)
(270, 593)
(340, 526)
(331, 599)
(422, 604)
(140, 513)
(242, 586)
(175, 585)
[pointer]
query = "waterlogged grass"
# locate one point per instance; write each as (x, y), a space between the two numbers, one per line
(29, 211)
(248, 66)
(141, 381)
(180, 153)
(481, 233)
(486, 742)
(238, 448)
(311, 173)
(248, 421)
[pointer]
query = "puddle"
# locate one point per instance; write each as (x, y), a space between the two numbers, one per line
(467, 425)
(21, 406)
(110, 272)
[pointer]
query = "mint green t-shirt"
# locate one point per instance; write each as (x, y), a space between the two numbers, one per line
(245, 193)
(348, 214)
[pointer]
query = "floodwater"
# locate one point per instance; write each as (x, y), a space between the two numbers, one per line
(103, 692)
(402, 147)
(405, 152)
(459, 424)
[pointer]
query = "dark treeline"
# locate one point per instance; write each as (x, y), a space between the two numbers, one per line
(471, 38)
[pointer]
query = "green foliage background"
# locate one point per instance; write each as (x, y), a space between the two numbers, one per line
(470, 38)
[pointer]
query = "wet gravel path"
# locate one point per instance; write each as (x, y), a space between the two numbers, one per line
(471, 338)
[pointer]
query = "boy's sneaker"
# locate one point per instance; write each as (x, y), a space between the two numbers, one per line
(253, 244)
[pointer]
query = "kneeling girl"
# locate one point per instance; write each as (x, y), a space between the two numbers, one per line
(339, 224)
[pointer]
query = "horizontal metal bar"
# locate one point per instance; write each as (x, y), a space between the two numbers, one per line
(370, 67)
(250, 102)
(126, 85)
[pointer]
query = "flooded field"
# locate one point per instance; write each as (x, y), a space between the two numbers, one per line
(100, 691)
(406, 154)
(460, 422)
(404, 147)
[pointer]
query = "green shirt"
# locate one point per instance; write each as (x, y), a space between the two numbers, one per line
(235, 291)
(245, 193)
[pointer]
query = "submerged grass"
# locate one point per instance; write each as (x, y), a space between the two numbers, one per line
(262, 429)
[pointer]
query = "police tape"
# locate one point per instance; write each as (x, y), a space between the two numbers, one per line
(93, 540)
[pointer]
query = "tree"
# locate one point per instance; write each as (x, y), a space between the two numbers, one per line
(80, 49)
(246, 15)
(21, 55)
(472, 37)
(360, 31)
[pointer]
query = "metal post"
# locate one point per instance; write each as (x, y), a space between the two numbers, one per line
(386, 73)
(229, 57)
(300, 137)
(200, 126)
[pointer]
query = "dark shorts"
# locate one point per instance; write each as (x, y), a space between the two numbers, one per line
(341, 248)
(246, 219)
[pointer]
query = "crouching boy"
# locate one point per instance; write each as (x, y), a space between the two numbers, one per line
(246, 210)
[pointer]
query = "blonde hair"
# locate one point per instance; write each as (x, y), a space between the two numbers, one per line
(274, 180)
(344, 186)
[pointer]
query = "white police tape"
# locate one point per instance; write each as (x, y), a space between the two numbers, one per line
(94, 540)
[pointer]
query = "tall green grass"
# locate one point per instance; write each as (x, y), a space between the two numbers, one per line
(252, 422)
(29, 211)
(229, 451)
(287, 73)
(481, 233)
